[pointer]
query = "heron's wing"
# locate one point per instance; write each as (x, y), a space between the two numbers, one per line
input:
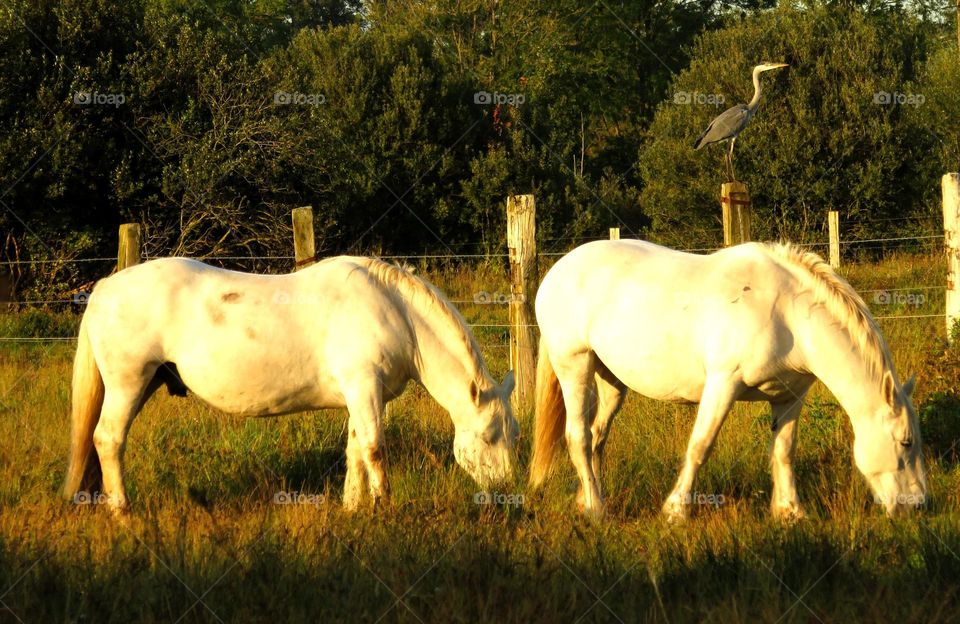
(727, 124)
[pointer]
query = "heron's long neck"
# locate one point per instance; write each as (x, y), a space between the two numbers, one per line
(756, 92)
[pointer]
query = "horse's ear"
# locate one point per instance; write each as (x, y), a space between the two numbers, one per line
(475, 393)
(909, 386)
(509, 383)
(889, 389)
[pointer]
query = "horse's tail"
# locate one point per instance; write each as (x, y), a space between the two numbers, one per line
(83, 467)
(550, 420)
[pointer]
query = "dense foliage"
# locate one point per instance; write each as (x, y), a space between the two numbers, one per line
(406, 124)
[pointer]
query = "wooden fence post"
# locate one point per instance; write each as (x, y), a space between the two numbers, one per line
(833, 222)
(128, 249)
(522, 247)
(950, 188)
(304, 251)
(735, 203)
(615, 233)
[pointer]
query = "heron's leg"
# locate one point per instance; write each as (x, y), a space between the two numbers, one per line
(733, 175)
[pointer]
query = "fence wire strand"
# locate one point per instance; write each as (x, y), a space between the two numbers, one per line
(869, 243)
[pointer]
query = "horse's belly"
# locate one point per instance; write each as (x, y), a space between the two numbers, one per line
(262, 390)
(282, 399)
(269, 404)
(665, 374)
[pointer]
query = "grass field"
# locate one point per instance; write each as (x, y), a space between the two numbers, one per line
(207, 540)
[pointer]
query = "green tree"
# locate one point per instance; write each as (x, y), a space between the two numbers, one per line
(830, 133)
(939, 84)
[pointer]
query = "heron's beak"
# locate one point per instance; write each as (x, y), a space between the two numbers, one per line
(778, 65)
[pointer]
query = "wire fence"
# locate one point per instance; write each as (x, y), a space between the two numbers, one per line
(479, 295)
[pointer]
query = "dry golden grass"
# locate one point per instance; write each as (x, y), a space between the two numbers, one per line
(206, 542)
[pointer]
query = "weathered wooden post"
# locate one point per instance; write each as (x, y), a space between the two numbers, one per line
(615, 233)
(833, 223)
(950, 188)
(128, 249)
(522, 247)
(304, 251)
(735, 203)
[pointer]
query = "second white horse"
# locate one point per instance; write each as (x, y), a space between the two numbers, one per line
(750, 323)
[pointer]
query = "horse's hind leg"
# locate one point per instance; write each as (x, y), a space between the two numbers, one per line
(120, 405)
(785, 503)
(719, 394)
(610, 394)
(576, 376)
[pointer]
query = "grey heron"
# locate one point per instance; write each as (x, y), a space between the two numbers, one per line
(727, 125)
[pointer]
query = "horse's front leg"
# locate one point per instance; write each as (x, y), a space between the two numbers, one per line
(785, 503)
(356, 479)
(365, 448)
(719, 394)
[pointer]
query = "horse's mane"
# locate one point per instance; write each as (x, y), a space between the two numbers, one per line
(416, 290)
(842, 302)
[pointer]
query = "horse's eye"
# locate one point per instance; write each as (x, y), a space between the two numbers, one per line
(906, 443)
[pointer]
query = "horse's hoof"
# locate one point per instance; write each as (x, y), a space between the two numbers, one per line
(595, 513)
(789, 514)
(675, 513)
(121, 513)
(675, 519)
(381, 502)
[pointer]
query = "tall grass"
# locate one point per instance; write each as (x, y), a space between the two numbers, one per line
(207, 541)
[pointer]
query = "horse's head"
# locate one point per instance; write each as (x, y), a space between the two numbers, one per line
(887, 450)
(486, 433)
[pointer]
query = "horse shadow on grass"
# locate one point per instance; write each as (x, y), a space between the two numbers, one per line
(314, 471)
(311, 470)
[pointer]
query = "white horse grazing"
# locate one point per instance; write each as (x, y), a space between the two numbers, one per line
(347, 332)
(750, 323)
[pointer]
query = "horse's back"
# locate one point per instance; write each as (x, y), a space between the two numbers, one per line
(660, 318)
(286, 339)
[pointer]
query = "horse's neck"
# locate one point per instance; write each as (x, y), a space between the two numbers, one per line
(835, 360)
(444, 364)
